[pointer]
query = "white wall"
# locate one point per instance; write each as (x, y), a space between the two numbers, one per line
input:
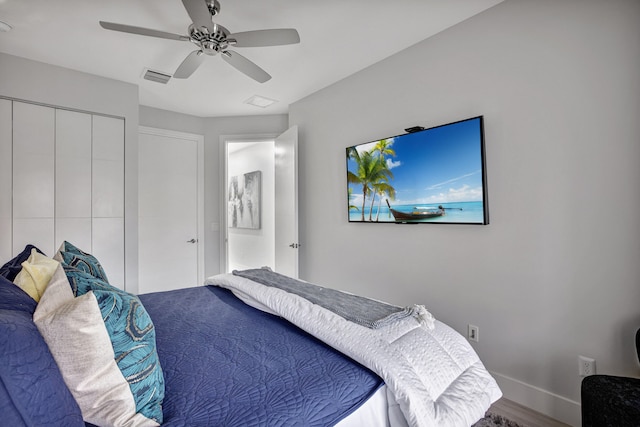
(36, 82)
(248, 248)
(556, 274)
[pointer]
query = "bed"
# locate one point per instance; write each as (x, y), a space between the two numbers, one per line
(236, 352)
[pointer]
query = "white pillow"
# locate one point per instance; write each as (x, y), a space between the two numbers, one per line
(78, 339)
(58, 292)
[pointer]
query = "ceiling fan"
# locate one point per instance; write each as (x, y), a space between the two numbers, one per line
(212, 38)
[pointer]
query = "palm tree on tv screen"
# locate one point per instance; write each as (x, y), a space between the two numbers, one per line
(383, 148)
(370, 170)
(382, 189)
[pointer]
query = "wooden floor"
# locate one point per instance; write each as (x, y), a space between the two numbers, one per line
(522, 415)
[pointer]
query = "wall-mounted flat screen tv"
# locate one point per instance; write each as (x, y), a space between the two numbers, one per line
(434, 175)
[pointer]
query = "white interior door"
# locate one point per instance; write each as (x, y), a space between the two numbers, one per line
(286, 203)
(170, 224)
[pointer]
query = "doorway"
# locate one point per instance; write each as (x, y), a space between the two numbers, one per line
(250, 245)
(275, 242)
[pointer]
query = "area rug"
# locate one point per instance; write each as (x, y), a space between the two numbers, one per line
(495, 420)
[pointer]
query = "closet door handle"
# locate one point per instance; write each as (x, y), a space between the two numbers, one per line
(191, 241)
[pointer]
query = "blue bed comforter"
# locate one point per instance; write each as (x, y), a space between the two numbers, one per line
(227, 364)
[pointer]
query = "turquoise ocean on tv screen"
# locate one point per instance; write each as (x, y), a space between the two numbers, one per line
(461, 212)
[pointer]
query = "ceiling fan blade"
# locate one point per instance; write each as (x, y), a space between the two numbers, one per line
(199, 13)
(141, 31)
(245, 66)
(189, 65)
(261, 38)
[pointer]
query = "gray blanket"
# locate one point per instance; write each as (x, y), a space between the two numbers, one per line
(362, 311)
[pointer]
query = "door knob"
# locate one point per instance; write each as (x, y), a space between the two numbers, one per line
(294, 245)
(191, 241)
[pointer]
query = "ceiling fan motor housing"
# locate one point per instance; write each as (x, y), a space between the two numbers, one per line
(210, 42)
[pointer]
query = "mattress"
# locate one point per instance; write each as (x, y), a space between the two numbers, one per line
(228, 364)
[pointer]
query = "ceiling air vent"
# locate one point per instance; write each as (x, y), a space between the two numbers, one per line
(156, 76)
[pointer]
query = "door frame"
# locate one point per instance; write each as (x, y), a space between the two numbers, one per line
(225, 140)
(199, 139)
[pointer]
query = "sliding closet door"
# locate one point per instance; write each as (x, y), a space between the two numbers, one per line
(5, 179)
(73, 179)
(62, 178)
(33, 172)
(90, 187)
(107, 206)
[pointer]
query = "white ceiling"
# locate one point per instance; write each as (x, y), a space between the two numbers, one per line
(338, 38)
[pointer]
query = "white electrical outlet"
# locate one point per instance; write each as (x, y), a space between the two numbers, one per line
(473, 333)
(586, 366)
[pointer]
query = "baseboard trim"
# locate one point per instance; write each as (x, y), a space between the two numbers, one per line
(547, 403)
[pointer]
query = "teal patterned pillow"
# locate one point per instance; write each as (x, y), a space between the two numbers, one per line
(82, 282)
(75, 257)
(133, 338)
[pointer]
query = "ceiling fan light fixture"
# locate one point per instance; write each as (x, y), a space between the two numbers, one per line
(260, 101)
